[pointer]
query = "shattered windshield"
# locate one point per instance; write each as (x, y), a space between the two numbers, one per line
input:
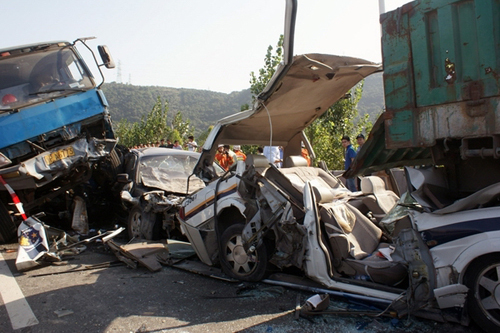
(30, 77)
(169, 173)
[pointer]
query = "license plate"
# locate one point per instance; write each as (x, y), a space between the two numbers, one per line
(59, 155)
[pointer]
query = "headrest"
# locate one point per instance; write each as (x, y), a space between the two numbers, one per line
(258, 161)
(295, 161)
(323, 194)
(372, 184)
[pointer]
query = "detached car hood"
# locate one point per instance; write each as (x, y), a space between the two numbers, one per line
(297, 94)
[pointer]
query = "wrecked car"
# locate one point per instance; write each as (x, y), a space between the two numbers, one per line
(428, 256)
(155, 182)
(55, 128)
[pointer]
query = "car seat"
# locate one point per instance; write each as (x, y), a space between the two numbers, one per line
(376, 198)
(355, 243)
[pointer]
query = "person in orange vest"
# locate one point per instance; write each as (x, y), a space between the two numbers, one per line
(222, 157)
(231, 156)
(240, 156)
(305, 154)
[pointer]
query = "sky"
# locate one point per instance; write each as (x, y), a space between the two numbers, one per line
(198, 44)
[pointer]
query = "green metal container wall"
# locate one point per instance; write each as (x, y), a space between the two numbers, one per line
(441, 71)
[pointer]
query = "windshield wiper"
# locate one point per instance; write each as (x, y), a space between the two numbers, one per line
(55, 90)
(7, 110)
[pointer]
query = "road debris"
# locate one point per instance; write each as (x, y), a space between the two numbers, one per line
(147, 254)
(40, 243)
(63, 312)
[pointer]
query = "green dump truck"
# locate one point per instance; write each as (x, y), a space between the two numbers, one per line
(441, 62)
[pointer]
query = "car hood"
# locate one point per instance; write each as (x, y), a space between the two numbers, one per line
(298, 93)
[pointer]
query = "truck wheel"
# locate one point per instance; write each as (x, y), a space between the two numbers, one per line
(483, 280)
(236, 262)
(7, 226)
(116, 161)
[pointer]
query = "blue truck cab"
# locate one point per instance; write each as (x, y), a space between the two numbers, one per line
(54, 123)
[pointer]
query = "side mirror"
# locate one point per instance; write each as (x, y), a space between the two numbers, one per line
(106, 56)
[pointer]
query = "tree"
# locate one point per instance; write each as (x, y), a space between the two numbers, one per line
(204, 135)
(271, 62)
(151, 128)
(341, 119)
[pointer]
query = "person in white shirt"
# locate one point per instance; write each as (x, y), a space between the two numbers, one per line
(272, 153)
(191, 144)
(177, 145)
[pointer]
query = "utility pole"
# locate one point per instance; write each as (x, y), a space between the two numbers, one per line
(119, 72)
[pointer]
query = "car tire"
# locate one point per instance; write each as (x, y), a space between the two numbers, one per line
(134, 223)
(235, 262)
(8, 226)
(483, 300)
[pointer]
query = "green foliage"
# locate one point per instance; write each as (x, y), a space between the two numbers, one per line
(203, 136)
(153, 127)
(326, 132)
(202, 107)
(271, 62)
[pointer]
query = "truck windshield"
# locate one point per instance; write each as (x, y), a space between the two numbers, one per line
(35, 76)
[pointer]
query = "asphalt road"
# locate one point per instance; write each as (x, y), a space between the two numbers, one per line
(65, 298)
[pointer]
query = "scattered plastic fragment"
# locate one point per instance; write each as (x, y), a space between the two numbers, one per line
(63, 312)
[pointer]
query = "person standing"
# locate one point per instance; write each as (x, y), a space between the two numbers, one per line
(177, 145)
(239, 154)
(191, 144)
(222, 157)
(350, 154)
(305, 154)
(272, 154)
(231, 156)
(361, 141)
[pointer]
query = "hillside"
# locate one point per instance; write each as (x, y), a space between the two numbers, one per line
(372, 99)
(202, 107)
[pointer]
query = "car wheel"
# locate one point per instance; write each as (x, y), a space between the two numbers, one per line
(236, 262)
(7, 225)
(134, 223)
(483, 302)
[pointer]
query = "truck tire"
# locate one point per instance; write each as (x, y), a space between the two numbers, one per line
(116, 161)
(7, 226)
(235, 262)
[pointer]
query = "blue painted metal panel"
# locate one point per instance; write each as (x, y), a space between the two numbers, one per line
(39, 119)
